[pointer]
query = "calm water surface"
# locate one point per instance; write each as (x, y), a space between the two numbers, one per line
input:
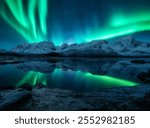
(73, 74)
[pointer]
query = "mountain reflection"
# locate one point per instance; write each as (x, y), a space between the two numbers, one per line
(75, 74)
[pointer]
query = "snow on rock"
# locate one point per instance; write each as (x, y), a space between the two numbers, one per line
(35, 48)
(126, 46)
(94, 48)
(62, 47)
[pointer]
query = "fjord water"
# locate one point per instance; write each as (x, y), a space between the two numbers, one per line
(73, 74)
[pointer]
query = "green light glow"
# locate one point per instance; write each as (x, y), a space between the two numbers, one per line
(121, 27)
(108, 80)
(101, 81)
(111, 35)
(119, 19)
(25, 22)
(33, 78)
(42, 15)
(31, 13)
(14, 7)
(59, 78)
(10, 19)
(30, 21)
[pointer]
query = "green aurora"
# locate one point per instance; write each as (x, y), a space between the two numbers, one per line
(25, 22)
(57, 77)
(121, 25)
(33, 78)
(31, 23)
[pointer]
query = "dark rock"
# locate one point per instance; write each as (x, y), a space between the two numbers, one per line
(26, 86)
(123, 99)
(144, 77)
(138, 61)
(4, 87)
(13, 99)
(53, 54)
(40, 86)
(147, 98)
(144, 102)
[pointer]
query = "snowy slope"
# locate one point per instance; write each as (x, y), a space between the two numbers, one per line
(126, 46)
(94, 48)
(35, 48)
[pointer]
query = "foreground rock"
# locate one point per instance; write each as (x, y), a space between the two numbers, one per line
(13, 99)
(127, 98)
(144, 76)
(45, 99)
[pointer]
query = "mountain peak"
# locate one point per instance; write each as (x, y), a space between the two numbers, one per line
(129, 38)
(126, 46)
(128, 42)
(35, 48)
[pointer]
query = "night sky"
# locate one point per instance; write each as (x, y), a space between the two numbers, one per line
(72, 21)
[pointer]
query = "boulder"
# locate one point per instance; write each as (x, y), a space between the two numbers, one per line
(12, 99)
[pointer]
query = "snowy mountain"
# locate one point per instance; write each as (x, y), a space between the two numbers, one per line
(125, 47)
(128, 46)
(94, 48)
(35, 48)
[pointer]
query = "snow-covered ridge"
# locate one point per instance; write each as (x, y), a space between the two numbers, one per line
(127, 46)
(35, 48)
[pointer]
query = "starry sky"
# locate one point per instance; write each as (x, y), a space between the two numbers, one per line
(72, 21)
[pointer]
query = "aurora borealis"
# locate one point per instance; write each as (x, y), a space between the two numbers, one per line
(86, 80)
(25, 23)
(71, 21)
(33, 78)
(59, 78)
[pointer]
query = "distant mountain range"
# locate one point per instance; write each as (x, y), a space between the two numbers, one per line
(125, 47)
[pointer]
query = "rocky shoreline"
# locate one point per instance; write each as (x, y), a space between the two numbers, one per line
(41, 98)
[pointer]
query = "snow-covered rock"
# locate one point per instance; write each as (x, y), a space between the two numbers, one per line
(62, 47)
(126, 46)
(35, 48)
(94, 48)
